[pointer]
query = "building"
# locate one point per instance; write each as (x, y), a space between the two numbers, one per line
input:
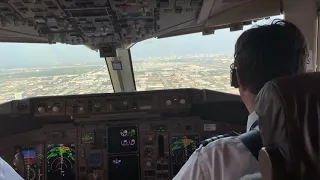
(18, 96)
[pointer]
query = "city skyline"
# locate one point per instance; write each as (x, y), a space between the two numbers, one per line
(209, 71)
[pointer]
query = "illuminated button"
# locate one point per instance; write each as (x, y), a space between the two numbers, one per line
(41, 110)
(182, 101)
(55, 109)
(81, 109)
(168, 102)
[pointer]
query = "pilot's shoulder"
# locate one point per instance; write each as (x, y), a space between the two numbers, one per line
(7, 172)
(232, 143)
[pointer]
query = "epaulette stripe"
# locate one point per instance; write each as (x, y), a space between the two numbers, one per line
(214, 138)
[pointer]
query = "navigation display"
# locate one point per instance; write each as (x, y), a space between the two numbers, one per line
(182, 148)
(123, 139)
(124, 167)
(61, 160)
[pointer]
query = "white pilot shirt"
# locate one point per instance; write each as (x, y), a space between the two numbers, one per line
(255, 176)
(7, 172)
(223, 159)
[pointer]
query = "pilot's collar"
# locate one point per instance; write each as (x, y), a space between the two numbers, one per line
(252, 118)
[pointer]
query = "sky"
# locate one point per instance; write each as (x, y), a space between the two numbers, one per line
(22, 55)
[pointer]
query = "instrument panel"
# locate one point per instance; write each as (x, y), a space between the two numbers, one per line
(130, 142)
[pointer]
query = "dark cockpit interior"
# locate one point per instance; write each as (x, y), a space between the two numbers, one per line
(142, 135)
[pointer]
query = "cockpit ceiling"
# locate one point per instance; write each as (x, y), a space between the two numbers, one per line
(120, 22)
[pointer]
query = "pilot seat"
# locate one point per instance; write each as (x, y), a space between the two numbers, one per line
(289, 114)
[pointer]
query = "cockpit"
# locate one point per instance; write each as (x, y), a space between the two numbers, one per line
(124, 89)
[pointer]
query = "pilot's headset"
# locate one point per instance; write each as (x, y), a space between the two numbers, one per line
(289, 115)
(233, 72)
(233, 76)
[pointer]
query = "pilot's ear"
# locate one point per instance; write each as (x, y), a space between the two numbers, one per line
(241, 86)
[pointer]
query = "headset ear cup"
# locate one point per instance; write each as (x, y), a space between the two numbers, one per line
(234, 79)
(272, 166)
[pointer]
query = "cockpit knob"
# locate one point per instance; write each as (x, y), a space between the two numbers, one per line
(168, 102)
(41, 109)
(182, 101)
(81, 109)
(97, 105)
(148, 164)
(55, 109)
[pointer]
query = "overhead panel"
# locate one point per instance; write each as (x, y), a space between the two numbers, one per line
(248, 10)
(11, 20)
(119, 23)
(223, 5)
(184, 10)
(96, 22)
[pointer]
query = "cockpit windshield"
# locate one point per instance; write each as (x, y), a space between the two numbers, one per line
(187, 61)
(30, 70)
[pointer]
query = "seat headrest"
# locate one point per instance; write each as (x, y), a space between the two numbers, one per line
(289, 114)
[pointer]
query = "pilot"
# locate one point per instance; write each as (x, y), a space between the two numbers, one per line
(261, 54)
(7, 172)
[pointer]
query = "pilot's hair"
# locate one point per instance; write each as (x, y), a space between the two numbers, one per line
(270, 51)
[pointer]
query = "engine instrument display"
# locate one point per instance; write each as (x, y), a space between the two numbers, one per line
(124, 167)
(61, 162)
(182, 148)
(87, 138)
(123, 139)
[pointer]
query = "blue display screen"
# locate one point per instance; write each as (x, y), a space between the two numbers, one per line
(29, 153)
